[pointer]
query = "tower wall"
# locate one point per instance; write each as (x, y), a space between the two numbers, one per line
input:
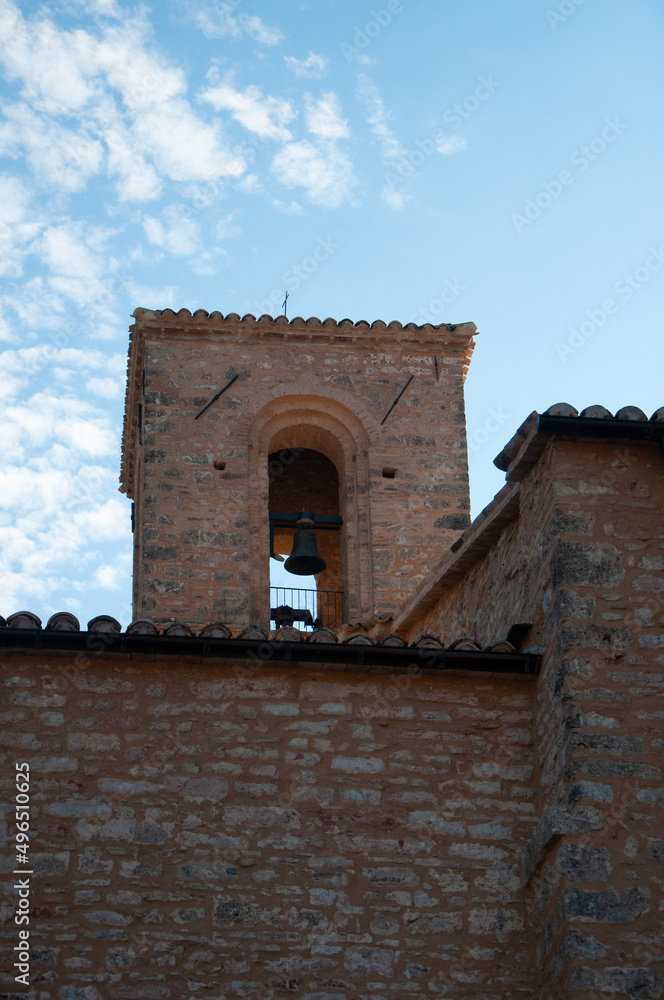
(201, 486)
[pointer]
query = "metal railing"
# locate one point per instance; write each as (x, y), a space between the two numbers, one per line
(325, 607)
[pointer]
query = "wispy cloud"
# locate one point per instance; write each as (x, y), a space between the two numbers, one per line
(448, 144)
(218, 20)
(176, 231)
(377, 117)
(320, 166)
(60, 158)
(17, 228)
(392, 151)
(58, 511)
(323, 117)
(130, 114)
(266, 117)
(313, 67)
(75, 257)
(326, 174)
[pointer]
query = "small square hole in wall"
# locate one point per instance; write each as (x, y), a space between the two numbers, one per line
(220, 465)
(389, 473)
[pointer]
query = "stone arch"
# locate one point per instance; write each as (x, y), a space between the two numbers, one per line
(299, 388)
(323, 424)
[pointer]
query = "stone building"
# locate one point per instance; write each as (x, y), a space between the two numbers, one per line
(449, 786)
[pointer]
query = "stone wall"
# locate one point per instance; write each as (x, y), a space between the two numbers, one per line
(582, 561)
(258, 829)
(264, 831)
(201, 486)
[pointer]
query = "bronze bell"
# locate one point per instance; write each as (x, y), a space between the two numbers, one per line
(305, 559)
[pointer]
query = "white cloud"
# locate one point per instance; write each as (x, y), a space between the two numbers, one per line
(151, 297)
(393, 198)
(226, 227)
(251, 184)
(313, 66)
(217, 20)
(209, 261)
(59, 157)
(287, 207)
(138, 180)
(184, 147)
(377, 118)
(391, 149)
(323, 117)
(255, 28)
(79, 268)
(107, 388)
(54, 66)
(14, 199)
(8, 335)
(176, 232)
(104, 521)
(107, 331)
(21, 365)
(58, 480)
(326, 174)
(450, 144)
(107, 8)
(266, 117)
(36, 305)
(114, 576)
(53, 546)
(16, 227)
(71, 249)
(138, 123)
(46, 417)
(320, 167)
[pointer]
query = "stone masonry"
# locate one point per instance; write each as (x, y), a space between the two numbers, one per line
(200, 486)
(283, 832)
(574, 547)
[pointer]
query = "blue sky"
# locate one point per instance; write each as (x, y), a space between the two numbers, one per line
(446, 161)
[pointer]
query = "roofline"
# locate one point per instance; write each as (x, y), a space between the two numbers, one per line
(201, 318)
(537, 429)
(516, 459)
(361, 658)
(204, 325)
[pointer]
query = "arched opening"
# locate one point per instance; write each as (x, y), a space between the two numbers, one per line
(305, 479)
(324, 425)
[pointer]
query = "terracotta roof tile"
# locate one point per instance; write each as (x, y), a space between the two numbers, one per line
(62, 621)
(357, 635)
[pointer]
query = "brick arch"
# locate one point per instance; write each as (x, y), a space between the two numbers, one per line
(323, 424)
(326, 398)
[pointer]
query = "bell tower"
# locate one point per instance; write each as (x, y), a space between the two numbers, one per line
(233, 425)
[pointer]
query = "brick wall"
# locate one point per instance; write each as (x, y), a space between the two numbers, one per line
(201, 530)
(262, 831)
(583, 562)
